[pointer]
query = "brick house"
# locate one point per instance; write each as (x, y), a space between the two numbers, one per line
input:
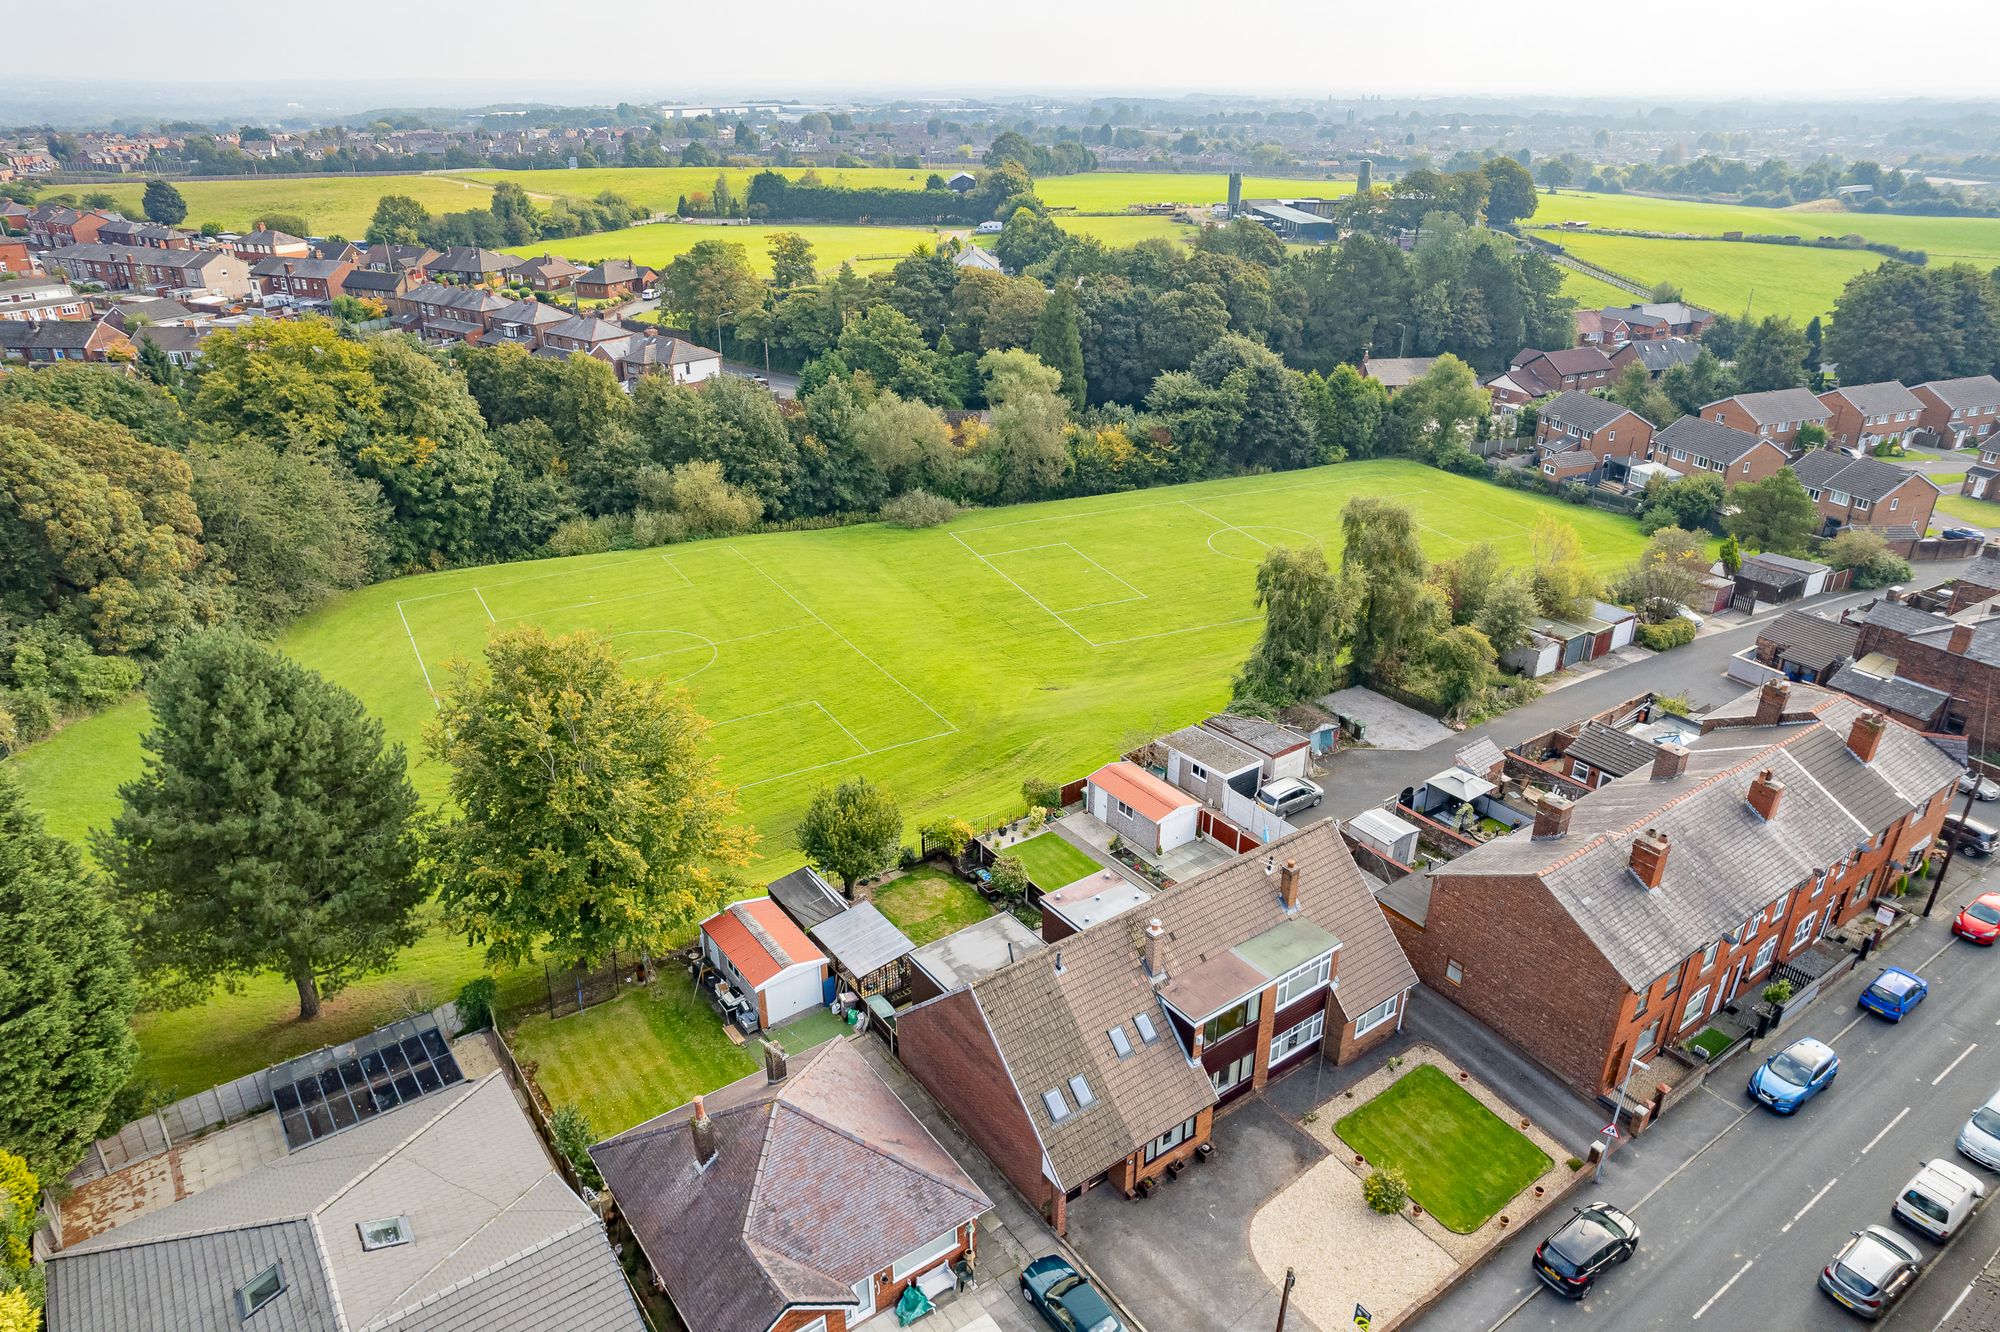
(1580, 422)
(15, 257)
(1775, 415)
(145, 235)
(1957, 657)
(523, 322)
(548, 273)
(471, 266)
(1962, 412)
(1655, 356)
(160, 272)
(1693, 445)
(1805, 646)
(1101, 1059)
(1601, 328)
(264, 243)
(801, 1200)
(368, 284)
(1575, 465)
(643, 354)
(52, 226)
(1866, 492)
(438, 313)
(580, 333)
(1539, 373)
(1634, 913)
(46, 341)
(1865, 415)
(302, 281)
(611, 280)
(415, 260)
(1662, 319)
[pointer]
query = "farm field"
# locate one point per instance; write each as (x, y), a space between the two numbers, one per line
(331, 205)
(1127, 230)
(1945, 239)
(1592, 294)
(657, 244)
(1113, 191)
(1728, 276)
(660, 188)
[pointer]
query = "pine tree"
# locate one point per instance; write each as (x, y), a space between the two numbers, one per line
(66, 995)
(271, 832)
(1060, 344)
(164, 204)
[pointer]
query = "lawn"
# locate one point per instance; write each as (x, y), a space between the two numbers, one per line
(643, 1053)
(659, 189)
(1051, 862)
(1965, 509)
(812, 1028)
(1712, 1041)
(659, 243)
(1127, 228)
(948, 664)
(926, 903)
(1730, 277)
(1593, 294)
(331, 205)
(1462, 1162)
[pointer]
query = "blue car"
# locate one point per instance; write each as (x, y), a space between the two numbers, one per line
(1894, 993)
(1065, 1298)
(1794, 1075)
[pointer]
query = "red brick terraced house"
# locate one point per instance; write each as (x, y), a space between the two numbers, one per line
(1573, 422)
(1692, 446)
(1963, 412)
(1775, 415)
(161, 272)
(1662, 319)
(800, 1201)
(548, 272)
(471, 266)
(52, 226)
(1867, 492)
(46, 341)
(1623, 921)
(1101, 1059)
(1956, 657)
(302, 281)
(1865, 415)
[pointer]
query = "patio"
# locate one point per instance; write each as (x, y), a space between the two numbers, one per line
(1182, 862)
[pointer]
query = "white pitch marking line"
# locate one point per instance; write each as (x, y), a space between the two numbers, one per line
(428, 686)
(1809, 1205)
(1106, 572)
(767, 712)
(1169, 633)
(1226, 523)
(516, 582)
(1724, 1291)
(1885, 1129)
(669, 560)
(865, 750)
(830, 763)
(1954, 1063)
(1022, 590)
(491, 618)
(1093, 605)
(1022, 550)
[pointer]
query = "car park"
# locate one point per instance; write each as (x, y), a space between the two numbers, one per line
(1979, 920)
(1794, 1075)
(1872, 1271)
(1065, 1298)
(1970, 835)
(1894, 993)
(1980, 1138)
(1288, 795)
(1940, 1199)
(1594, 1238)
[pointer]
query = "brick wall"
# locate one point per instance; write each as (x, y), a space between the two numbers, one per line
(946, 1047)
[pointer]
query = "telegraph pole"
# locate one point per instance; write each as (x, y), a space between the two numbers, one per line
(1285, 1298)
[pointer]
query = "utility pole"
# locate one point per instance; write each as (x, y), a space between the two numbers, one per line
(1285, 1299)
(1951, 845)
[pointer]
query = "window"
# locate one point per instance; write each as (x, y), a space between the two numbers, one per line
(1376, 1016)
(1304, 980)
(1695, 1004)
(1053, 1102)
(1864, 505)
(918, 1259)
(1804, 930)
(1647, 1039)
(1746, 469)
(1238, 1069)
(1081, 1091)
(1582, 772)
(260, 1290)
(1708, 957)
(1813, 494)
(1123, 808)
(1171, 1139)
(1673, 983)
(1289, 1042)
(1119, 1042)
(1764, 953)
(1639, 1009)
(1145, 1026)
(386, 1233)
(1453, 972)
(1230, 1020)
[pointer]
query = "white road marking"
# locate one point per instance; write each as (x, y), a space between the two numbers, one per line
(1885, 1130)
(1849, 1027)
(1954, 1063)
(1809, 1205)
(1724, 1291)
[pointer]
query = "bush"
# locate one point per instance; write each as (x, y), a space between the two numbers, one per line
(571, 1130)
(1777, 992)
(475, 1004)
(655, 527)
(1386, 1191)
(588, 536)
(1041, 791)
(954, 835)
(1010, 878)
(1674, 633)
(919, 508)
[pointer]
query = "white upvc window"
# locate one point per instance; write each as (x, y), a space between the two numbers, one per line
(1304, 980)
(1804, 930)
(1196, 771)
(918, 1259)
(1764, 954)
(1123, 808)
(1696, 1005)
(1376, 1016)
(1290, 1041)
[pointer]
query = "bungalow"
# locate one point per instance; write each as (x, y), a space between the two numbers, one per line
(1864, 415)
(1663, 319)
(792, 1201)
(1141, 808)
(1775, 415)
(770, 963)
(1866, 492)
(548, 273)
(471, 266)
(414, 260)
(972, 256)
(1655, 355)
(1806, 647)
(1394, 372)
(1101, 1059)
(1693, 445)
(612, 280)
(1961, 412)
(654, 353)
(1579, 422)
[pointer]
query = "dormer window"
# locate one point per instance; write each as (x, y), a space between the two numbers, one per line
(260, 1290)
(386, 1233)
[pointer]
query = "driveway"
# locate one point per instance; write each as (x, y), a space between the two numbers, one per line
(1181, 1259)
(1387, 724)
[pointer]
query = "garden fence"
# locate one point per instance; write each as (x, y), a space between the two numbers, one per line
(573, 989)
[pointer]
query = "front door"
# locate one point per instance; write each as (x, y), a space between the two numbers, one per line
(1728, 994)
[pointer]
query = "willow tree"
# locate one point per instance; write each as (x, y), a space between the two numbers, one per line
(1306, 619)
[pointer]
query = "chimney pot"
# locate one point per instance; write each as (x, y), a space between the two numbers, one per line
(1961, 640)
(1771, 701)
(1649, 857)
(1765, 793)
(1552, 817)
(703, 1129)
(1669, 761)
(1865, 736)
(1288, 885)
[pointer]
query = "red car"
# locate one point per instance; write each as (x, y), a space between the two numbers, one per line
(1980, 921)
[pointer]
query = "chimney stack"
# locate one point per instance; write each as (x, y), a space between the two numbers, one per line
(774, 1062)
(1961, 640)
(1552, 817)
(1865, 736)
(1155, 934)
(1669, 761)
(1649, 857)
(1771, 701)
(1288, 885)
(704, 1135)
(1765, 793)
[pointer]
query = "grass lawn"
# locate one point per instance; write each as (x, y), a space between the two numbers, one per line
(331, 205)
(808, 1030)
(1128, 229)
(1945, 478)
(1976, 512)
(1730, 276)
(1462, 1162)
(659, 243)
(1051, 862)
(1114, 191)
(1712, 1041)
(927, 903)
(643, 1053)
(947, 664)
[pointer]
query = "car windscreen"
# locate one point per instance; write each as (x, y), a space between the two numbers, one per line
(1983, 913)
(1987, 1120)
(1886, 993)
(1791, 1068)
(1926, 1205)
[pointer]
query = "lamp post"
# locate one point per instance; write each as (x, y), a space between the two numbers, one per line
(1623, 1087)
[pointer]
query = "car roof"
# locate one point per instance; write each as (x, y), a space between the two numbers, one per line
(1883, 1249)
(1940, 1177)
(1808, 1048)
(1898, 981)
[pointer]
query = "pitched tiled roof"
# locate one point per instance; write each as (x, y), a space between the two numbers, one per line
(588, 328)
(1778, 406)
(1659, 355)
(1900, 617)
(1984, 647)
(817, 1181)
(1574, 458)
(1578, 360)
(1864, 478)
(1140, 789)
(1610, 751)
(612, 270)
(472, 259)
(1811, 641)
(1892, 692)
(1972, 391)
(1585, 411)
(759, 939)
(1883, 399)
(1706, 439)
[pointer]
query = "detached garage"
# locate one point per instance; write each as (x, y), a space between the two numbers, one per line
(1141, 808)
(766, 958)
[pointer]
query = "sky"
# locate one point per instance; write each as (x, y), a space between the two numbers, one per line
(609, 50)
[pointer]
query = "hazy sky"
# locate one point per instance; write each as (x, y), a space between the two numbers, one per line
(1687, 49)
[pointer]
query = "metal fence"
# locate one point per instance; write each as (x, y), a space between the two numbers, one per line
(573, 989)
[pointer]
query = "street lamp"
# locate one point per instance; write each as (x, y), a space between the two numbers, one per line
(1624, 1086)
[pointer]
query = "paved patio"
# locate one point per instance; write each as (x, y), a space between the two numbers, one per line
(1093, 836)
(1385, 723)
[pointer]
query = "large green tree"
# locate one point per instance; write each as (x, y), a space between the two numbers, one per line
(1772, 356)
(271, 832)
(1382, 565)
(1306, 620)
(591, 817)
(1059, 344)
(791, 261)
(66, 994)
(398, 220)
(163, 204)
(707, 286)
(1774, 514)
(1914, 324)
(730, 421)
(1510, 192)
(851, 831)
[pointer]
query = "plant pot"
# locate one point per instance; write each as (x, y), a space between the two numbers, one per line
(1524, 1122)
(1464, 1076)
(1503, 1221)
(1416, 1209)
(1360, 1160)
(1539, 1190)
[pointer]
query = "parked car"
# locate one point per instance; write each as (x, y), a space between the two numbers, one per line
(1940, 1199)
(1288, 795)
(1983, 788)
(1594, 1238)
(1873, 1270)
(1065, 1298)
(1980, 1138)
(1894, 993)
(1794, 1075)
(1963, 534)
(1979, 920)
(1970, 835)
(649, 293)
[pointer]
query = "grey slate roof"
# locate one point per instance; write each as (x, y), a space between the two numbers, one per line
(1780, 406)
(1864, 478)
(1984, 571)
(861, 939)
(1212, 749)
(1984, 647)
(1610, 751)
(1902, 618)
(1884, 399)
(1394, 372)
(806, 897)
(1783, 564)
(1582, 410)
(1706, 439)
(1660, 355)
(1895, 693)
(191, 1286)
(1809, 640)
(1972, 391)
(1573, 458)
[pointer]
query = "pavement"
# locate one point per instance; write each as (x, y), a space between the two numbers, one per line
(1740, 1209)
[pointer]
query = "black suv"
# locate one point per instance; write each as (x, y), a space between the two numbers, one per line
(1593, 1239)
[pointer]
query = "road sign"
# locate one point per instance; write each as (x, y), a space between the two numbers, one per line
(1610, 1130)
(1362, 1318)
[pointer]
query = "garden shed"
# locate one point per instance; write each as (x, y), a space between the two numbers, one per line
(870, 955)
(1386, 834)
(1772, 580)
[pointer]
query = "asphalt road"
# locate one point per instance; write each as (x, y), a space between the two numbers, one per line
(1739, 1209)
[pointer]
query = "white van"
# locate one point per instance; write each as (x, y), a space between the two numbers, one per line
(1940, 1199)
